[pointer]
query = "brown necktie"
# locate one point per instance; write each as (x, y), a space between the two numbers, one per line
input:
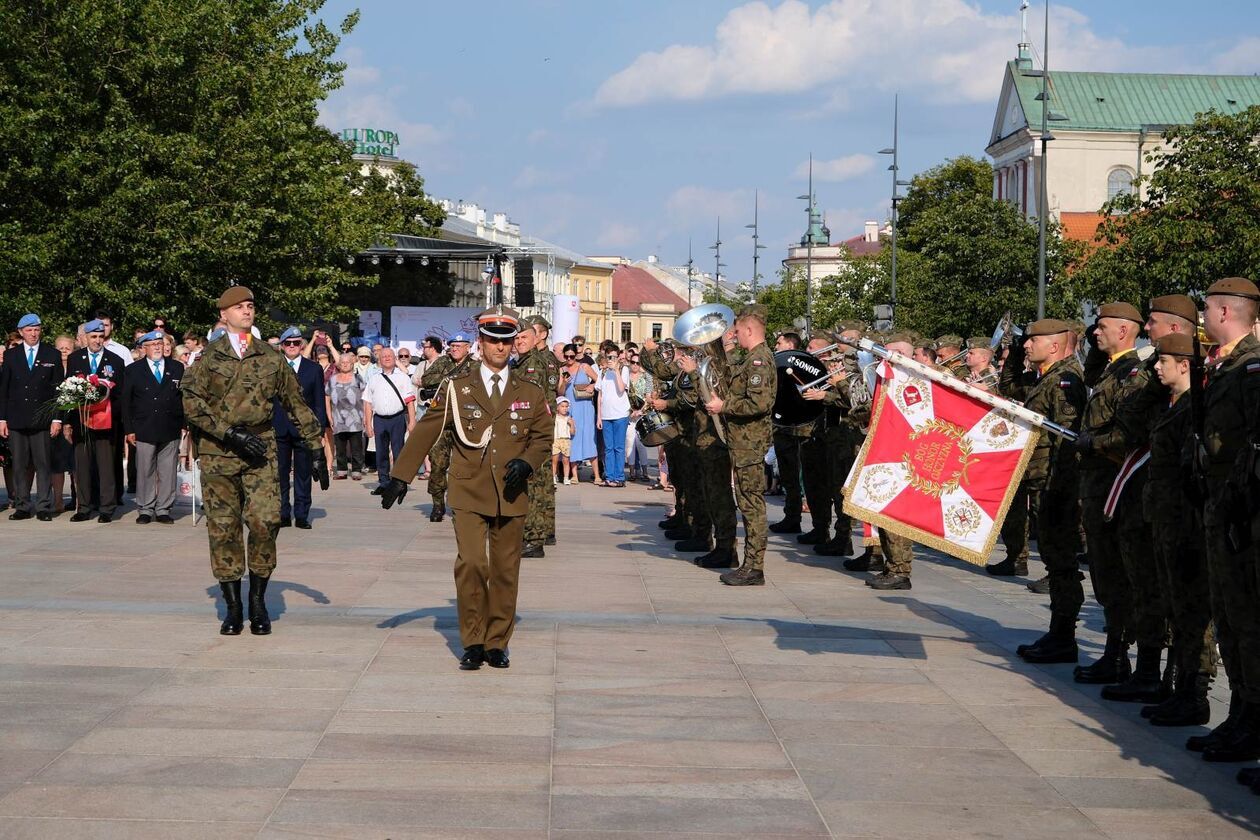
(496, 393)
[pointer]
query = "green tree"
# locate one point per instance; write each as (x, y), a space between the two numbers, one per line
(1197, 218)
(150, 153)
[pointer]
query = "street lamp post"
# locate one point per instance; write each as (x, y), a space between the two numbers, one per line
(757, 246)
(1043, 206)
(809, 248)
(896, 182)
(691, 272)
(718, 265)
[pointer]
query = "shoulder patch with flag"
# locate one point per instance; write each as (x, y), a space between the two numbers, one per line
(939, 467)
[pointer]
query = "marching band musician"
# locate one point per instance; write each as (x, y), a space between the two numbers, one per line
(789, 441)
(537, 365)
(823, 456)
(690, 525)
(441, 369)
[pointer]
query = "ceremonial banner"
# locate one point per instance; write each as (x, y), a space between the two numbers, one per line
(939, 466)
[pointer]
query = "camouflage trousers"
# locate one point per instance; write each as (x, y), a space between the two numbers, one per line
(1058, 517)
(1177, 536)
(787, 452)
(1146, 603)
(715, 485)
(237, 494)
(540, 520)
(1232, 578)
(1015, 527)
(840, 456)
(1106, 568)
(684, 474)
(898, 552)
(750, 498)
(439, 463)
(818, 490)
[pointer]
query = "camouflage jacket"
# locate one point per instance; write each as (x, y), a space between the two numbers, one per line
(748, 391)
(1164, 498)
(1142, 407)
(223, 390)
(539, 367)
(1231, 408)
(443, 367)
(1059, 396)
(1118, 380)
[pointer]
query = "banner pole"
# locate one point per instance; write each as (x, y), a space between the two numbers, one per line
(1008, 407)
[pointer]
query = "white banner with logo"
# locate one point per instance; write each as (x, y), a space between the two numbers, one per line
(410, 324)
(564, 317)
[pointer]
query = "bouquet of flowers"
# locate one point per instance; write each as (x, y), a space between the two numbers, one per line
(80, 391)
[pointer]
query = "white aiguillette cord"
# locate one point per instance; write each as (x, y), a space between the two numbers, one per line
(459, 427)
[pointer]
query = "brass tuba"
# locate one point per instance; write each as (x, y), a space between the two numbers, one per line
(703, 327)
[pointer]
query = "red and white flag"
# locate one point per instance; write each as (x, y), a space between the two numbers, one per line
(939, 466)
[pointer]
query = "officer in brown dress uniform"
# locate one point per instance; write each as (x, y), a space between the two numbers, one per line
(501, 434)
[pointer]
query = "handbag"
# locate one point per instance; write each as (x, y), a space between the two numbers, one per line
(585, 391)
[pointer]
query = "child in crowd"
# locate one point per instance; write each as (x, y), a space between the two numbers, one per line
(565, 430)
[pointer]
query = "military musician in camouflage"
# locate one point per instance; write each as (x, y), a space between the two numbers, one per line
(443, 369)
(536, 364)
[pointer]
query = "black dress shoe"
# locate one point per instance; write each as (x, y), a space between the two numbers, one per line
(164, 519)
(533, 550)
(497, 658)
(286, 522)
(81, 516)
(378, 490)
(47, 517)
(103, 518)
(304, 524)
(20, 514)
(143, 519)
(473, 656)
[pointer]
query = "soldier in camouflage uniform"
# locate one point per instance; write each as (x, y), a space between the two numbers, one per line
(848, 409)
(536, 364)
(1055, 390)
(1102, 447)
(227, 400)
(820, 492)
(443, 368)
(789, 443)
(747, 398)
(947, 349)
(713, 472)
(658, 361)
(1177, 537)
(1228, 466)
(684, 469)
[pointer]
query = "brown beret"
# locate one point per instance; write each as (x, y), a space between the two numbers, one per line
(950, 341)
(234, 295)
(1180, 305)
(1178, 344)
(1048, 326)
(754, 310)
(1127, 311)
(1236, 286)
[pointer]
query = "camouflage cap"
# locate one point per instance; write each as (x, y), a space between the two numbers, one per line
(1120, 309)
(1180, 305)
(905, 337)
(979, 342)
(1178, 344)
(234, 295)
(754, 310)
(538, 321)
(851, 326)
(1236, 286)
(949, 341)
(823, 336)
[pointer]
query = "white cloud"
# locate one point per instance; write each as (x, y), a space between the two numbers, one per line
(700, 206)
(616, 236)
(1244, 58)
(840, 169)
(531, 176)
(950, 49)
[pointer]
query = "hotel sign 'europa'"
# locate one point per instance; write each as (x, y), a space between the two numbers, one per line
(373, 142)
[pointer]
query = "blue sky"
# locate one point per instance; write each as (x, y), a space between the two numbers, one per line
(628, 127)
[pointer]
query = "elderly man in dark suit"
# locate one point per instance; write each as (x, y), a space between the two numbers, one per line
(291, 451)
(96, 430)
(501, 433)
(29, 376)
(153, 418)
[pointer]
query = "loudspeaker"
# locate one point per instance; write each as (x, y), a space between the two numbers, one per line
(524, 272)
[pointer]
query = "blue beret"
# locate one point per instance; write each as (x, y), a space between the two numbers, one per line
(152, 335)
(290, 332)
(459, 336)
(216, 334)
(95, 325)
(30, 319)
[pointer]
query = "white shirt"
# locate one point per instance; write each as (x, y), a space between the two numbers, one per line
(382, 397)
(614, 406)
(161, 366)
(486, 373)
(114, 347)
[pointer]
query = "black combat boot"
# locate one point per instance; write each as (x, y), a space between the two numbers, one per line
(1172, 684)
(744, 576)
(533, 549)
(1144, 684)
(672, 521)
(1056, 646)
(696, 542)
(1199, 743)
(723, 557)
(814, 536)
(1243, 741)
(235, 621)
(789, 525)
(867, 561)
(1189, 705)
(439, 512)
(259, 621)
(682, 532)
(1009, 567)
(1249, 776)
(1111, 668)
(1041, 585)
(841, 545)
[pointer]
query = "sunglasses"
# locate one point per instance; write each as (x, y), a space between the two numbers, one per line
(293, 342)
(570, 356)
(404, 355)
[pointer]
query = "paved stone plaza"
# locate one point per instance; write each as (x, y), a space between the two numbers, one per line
(644, 699)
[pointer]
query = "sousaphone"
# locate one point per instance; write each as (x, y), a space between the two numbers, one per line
(702, 327)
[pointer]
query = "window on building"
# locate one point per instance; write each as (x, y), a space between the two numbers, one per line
(625, 332)
(588, 290)
(657, 331)
(1119, 182)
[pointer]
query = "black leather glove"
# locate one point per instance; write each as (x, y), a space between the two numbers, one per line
(1084, 443)
(1091, 335)
(249, 446)
(393, 491)
(515, 477)
(319, 467)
